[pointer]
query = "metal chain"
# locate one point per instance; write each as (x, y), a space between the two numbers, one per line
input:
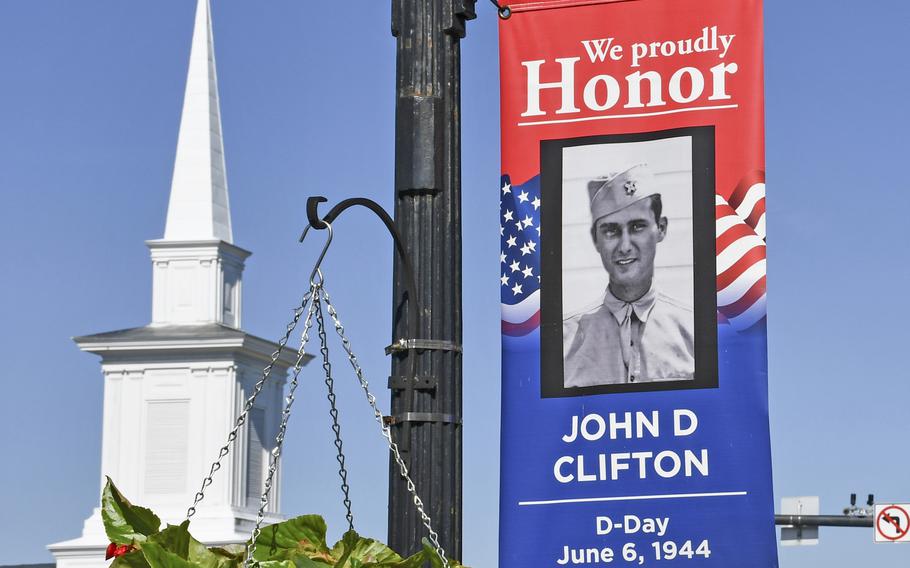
(333, 410)
(386, 432)
(275, 454)
(241, 418)
(315, 292)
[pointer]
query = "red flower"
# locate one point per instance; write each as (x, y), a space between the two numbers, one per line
(114, 550)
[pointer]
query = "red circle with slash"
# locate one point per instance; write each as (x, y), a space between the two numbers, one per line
(884, 515)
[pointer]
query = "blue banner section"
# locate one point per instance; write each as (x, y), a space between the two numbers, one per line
(666, 478)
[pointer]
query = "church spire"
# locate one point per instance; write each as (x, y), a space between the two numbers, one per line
(198, 209)
(197, 269)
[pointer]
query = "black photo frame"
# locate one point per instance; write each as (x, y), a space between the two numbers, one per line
(704, 256)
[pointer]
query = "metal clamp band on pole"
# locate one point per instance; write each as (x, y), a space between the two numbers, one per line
(422, 417)
(423, 345)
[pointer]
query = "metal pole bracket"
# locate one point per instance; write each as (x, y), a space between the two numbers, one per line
(403, 345)
(438, 417)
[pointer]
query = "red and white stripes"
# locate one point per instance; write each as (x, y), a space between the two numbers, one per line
(748, 200)
(523, 317)
(741, 267)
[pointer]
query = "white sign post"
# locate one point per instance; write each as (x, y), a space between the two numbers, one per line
(892, 522)
(801, 535)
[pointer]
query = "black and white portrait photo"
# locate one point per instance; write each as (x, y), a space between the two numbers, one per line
(619, 293)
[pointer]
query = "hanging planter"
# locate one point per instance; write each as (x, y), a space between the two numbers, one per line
(138, 541)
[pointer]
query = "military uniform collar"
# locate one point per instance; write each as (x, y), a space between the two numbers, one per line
(621, 309)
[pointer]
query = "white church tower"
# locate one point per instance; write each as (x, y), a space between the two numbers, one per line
(173, 388)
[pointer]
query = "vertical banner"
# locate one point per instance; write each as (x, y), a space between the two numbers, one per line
(634, 393)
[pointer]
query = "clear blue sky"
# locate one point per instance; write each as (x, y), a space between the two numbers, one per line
(90, 97)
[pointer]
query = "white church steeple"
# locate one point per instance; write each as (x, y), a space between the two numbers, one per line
(199, 207)
(173, 389)
(196, 268)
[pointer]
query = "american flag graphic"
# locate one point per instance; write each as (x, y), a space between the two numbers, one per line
(741, 267)
(740, 245)
(519, 255)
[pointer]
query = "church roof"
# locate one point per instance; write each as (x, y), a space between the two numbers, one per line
(198, 208)
(182, 338)
(206, 331)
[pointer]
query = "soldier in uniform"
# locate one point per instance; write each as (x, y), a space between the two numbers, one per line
(636, 334)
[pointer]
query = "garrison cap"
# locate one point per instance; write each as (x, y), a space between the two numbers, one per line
(620, 189)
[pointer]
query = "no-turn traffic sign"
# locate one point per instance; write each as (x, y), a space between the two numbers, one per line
(892, 522)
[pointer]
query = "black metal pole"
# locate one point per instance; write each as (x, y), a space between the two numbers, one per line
(426, 409)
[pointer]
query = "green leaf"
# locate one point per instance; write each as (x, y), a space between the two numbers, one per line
(230, 550)
(353, 551)
(158, 557)
(297, 562)
(342, 549)
(174, 539)
(303, 536)
(134, 559)
(177, 540)
(214, 557)
(124, 522)
(416, 560)
(435, 561)
(304, 562)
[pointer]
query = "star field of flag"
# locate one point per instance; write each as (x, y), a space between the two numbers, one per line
(519, 239)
